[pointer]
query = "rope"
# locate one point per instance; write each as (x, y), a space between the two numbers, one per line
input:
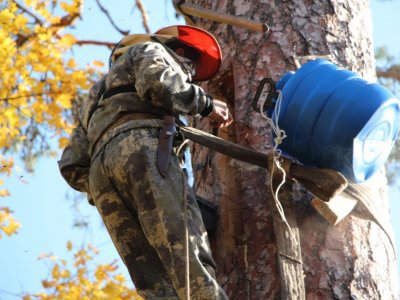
(181, 147)
(299, 261)
(280, 135)
(186, 244)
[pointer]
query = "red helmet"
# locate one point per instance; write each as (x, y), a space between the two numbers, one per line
(203, 43)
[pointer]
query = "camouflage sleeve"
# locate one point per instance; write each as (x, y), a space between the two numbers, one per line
(75, 161)
(89, 104)
(160, 79)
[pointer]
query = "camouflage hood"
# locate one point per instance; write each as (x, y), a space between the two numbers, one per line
(202, 42)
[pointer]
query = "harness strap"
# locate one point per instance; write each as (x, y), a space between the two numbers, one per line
(107, 94)
(118, 90)
(131, 89)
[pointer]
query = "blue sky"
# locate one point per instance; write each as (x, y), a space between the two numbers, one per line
(39, 201)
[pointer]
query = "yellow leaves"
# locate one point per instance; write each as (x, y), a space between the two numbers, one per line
(53, 109)
(93, 249)
(69, 245)
(4, 193)
(63, 142)
(110, 289)
(72, 63)
(30, 3)
(120, 278)
(11, 227)
(100, 274)
(6, 17)
(64, 100)
(44, 37)
(68, 282)
(8, 225)
(6, 165)
(67, 40)
(37, 81)
(48, 284)
(80, 78)
(36, 60)
(98, 63)
(56, 272)
(48, 257)
(102, 271)
(81, 257)
(20, 22)
(54, 19)
(71, 9)
(65, 274)
(7, 50)
(12, 7)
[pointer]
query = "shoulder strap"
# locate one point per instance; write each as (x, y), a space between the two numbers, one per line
(118, 90)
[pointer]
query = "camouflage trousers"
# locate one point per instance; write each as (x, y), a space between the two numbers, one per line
(144, 215)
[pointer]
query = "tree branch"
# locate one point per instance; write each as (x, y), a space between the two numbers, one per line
(64, 22)
(145, 16)
(105, 11)
(390, 73)
(28, 96)
(25, 10)
(110, 45)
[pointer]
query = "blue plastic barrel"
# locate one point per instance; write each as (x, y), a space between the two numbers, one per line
(333, 118)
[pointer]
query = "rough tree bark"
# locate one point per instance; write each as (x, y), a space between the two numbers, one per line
(352, 260)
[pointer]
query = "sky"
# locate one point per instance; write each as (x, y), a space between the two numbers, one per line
(40, 199)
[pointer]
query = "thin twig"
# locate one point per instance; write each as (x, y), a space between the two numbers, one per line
(145, 16)
(9, 293)
(93, 42)
(64, 22)
(29, 96)
(393, 74)
(25, 10)
(105, 11)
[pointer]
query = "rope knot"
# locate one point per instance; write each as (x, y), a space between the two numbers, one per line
(280, 135)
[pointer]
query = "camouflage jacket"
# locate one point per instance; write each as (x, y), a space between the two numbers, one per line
(159, 87)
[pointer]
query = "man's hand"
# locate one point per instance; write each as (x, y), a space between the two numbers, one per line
(220, 115)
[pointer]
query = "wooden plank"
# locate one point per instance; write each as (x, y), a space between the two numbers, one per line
(323, 183)
(335, 209)
(201, 12)
(290, 261)
(225, 147)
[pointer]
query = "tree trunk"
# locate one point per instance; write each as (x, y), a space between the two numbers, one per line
(351, 260)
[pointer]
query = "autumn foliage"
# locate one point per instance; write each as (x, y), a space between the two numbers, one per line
(8, 225)
(81, 279)
(39, 87)
(39, 81)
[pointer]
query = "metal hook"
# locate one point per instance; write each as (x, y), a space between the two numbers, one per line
(270, 95)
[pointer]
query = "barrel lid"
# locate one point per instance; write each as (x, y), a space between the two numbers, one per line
(373, 144)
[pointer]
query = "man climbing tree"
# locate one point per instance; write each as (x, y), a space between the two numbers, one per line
(256, 256)
(352, 259)
(121, 154)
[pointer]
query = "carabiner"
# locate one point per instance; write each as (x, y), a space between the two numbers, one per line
(271, 94)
